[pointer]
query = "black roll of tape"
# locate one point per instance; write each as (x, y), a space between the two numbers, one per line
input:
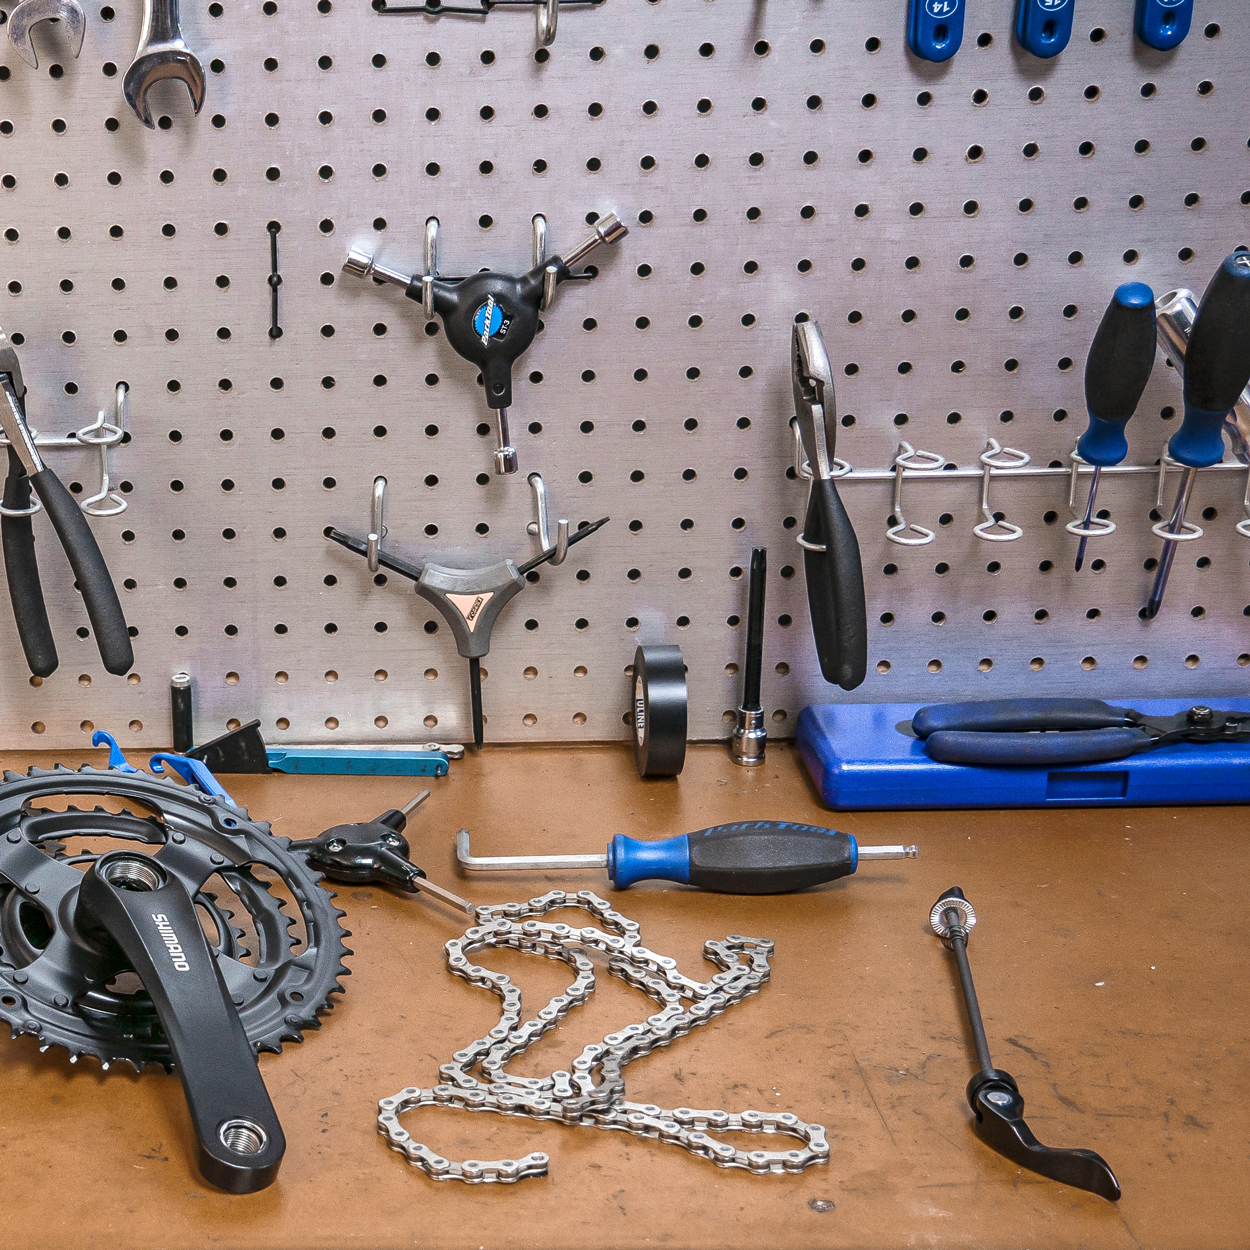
(659, 711)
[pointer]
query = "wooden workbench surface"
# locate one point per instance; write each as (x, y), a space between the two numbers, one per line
(1110, 958)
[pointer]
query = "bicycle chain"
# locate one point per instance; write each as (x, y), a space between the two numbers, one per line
(574, 1097)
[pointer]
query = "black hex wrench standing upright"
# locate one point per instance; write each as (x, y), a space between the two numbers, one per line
(1217, 368)
(993, 1094)
(835, 577)
(27, 470)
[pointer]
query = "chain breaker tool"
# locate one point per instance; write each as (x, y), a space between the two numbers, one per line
(573, 1097)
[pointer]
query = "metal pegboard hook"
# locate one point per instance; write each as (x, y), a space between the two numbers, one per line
(1243, 526)
(429, 270)
(902, 532)
(1077, 525)
(548, 19)
(377, 530)
(803, 470)
(539, 526)
(104, 434)
(1188, 531)
(551, 274)
(996, 456)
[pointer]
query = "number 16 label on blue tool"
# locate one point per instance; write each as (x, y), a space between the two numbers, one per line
(935, 28)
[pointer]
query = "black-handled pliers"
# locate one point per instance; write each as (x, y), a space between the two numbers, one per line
(831, 563)
(1043, 733)
(27, 470)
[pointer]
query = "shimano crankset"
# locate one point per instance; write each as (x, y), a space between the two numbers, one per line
(199, 941)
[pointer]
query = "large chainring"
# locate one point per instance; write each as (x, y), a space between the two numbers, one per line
(53, 984)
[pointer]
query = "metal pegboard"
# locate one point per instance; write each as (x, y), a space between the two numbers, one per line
(770, 159)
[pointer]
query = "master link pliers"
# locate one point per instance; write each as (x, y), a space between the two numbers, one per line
(1040, 733)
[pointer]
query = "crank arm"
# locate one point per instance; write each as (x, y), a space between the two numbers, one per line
(1000, 1124)
(131, 903)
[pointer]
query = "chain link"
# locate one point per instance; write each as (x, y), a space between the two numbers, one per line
(575, 1097)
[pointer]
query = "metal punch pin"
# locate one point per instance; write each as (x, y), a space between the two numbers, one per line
(540, 527)
(1077, 525)
(903, 532)
(996, 456)
(377, 530)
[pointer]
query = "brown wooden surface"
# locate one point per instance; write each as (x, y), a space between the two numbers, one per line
(1110, 959)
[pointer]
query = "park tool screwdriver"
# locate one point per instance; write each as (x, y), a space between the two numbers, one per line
(91, 575)
(1044, 733)
(835, 577)
(747, 857)
(1217, 368)
(992, 1093)
(374, 851)
(1116, 372)
(490, 318)
(469, 600)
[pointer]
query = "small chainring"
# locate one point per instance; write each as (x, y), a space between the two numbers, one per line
(53, 983)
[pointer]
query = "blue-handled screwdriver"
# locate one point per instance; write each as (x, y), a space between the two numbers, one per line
(1116, 372)
(747, 857)
(1217, 368)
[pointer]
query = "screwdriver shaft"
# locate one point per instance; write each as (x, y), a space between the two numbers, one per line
(1089, 516)
(888, 852)
(1175, 526)
(475, 699)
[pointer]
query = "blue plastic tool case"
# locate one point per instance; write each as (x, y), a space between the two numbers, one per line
(859, 757)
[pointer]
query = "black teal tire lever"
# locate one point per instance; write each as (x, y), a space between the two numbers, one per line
(993, 1094)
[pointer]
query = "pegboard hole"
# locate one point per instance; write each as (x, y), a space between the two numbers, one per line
(1192, 661)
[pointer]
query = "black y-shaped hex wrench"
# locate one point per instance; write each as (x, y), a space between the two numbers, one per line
(469, 600)
(27, 470)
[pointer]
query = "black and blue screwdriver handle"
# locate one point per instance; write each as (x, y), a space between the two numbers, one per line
(750, 857)
(1117, 369)
(1217, 364)
(1007, 733)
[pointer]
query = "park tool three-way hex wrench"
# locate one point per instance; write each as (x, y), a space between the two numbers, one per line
(27, 470)
(993, 1094)
(490, 318)
(747, 857)
(835, 577)
(1217, 367)
(469, 600)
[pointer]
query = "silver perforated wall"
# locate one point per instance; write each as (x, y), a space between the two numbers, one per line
(957, 230)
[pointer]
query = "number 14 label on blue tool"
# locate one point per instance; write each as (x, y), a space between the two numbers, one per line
(935, 28)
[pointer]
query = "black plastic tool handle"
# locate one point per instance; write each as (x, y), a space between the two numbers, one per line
(99, 595)
(1122, 354)
(835, 588)
(1018, 716)
(755, 631)
(21, 569)
(1217, 360)
(768, 857)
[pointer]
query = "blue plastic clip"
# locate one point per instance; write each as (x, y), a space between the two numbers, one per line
(116, 759)
(935, 28)
(1044, 27)
(1163, 24)
(193, 772)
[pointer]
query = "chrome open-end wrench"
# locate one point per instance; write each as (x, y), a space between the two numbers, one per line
(29, 12)
(162, 53)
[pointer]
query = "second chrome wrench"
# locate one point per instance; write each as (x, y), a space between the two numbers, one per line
(162, 53)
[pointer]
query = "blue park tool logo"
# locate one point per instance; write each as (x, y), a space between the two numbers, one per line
(489, 321)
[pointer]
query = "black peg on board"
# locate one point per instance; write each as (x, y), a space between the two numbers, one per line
(275, 279)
